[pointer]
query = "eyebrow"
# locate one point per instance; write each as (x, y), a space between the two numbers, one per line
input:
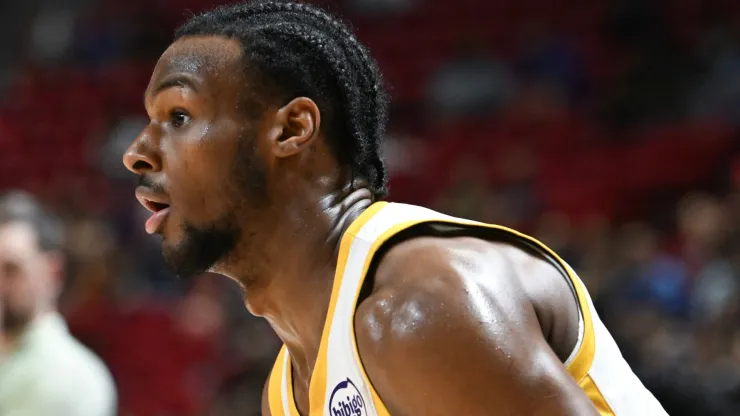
(177, 81)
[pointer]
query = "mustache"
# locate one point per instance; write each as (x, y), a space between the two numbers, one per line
(148, 182)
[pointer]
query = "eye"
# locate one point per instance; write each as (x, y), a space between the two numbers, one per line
(179, 118)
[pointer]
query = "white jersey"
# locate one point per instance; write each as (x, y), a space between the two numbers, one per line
(339, 385)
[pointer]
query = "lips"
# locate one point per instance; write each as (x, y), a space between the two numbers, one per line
(158, 204)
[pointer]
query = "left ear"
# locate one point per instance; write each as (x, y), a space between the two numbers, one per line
(298, 126)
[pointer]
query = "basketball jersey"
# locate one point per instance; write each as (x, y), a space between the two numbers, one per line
(339, 385)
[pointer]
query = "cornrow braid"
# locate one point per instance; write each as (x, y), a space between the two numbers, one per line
(301, 50)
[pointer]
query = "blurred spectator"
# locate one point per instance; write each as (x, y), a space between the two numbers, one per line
(658, 72)
(648, 275)
(547, 59)
(472, 82)
(51, 33)
(46, 372)
(718, 92)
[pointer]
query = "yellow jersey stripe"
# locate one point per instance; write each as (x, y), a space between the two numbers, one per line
(317, 386)
(274, 387)
(592, 391)
(379, 405)
(584, 358)
(287, 388)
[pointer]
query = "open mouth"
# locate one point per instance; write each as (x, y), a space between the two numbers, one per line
(160, 213)
(155, 206)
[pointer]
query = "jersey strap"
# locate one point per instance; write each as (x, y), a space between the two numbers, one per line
(281, 398)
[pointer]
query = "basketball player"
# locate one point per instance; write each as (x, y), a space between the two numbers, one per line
(261, 162)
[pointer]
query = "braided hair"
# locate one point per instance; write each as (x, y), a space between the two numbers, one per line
(299, 50)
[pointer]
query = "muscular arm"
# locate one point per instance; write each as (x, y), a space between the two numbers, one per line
(449, 331)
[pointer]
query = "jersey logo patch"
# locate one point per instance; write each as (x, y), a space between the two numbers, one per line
(346, 400)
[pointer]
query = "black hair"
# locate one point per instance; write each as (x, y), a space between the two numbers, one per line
(300, 50)
(17, 206)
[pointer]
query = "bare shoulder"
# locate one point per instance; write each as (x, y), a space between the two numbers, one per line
(449, 328)
(430, 284)
(430, 280)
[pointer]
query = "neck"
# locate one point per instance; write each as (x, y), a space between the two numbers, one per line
(291, 286)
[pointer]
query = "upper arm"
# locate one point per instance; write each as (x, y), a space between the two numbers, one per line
(454, 343)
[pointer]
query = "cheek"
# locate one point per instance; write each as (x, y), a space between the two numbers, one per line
(201, 183)
(205, 197)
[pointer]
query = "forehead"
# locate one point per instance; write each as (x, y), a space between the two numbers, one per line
(17, 239)
(210, 60)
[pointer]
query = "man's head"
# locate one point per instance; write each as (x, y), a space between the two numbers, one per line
(31, 263)
(252, 107)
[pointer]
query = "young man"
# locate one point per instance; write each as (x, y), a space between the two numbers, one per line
(261, 162)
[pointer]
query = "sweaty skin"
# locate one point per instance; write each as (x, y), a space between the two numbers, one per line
(465, 326)
(450, 326)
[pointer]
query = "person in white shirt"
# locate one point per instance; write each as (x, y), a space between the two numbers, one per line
(44, 371)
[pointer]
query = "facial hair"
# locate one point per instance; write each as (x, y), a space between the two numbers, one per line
(203, 247)
(14, 321)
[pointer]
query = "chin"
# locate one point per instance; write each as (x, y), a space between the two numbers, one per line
(180, 262)
(197, 251)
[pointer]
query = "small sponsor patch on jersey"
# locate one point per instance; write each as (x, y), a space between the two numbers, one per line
(346, 400)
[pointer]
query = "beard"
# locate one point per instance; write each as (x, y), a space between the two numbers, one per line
(203, 247)
(14, 321)
(200, 249)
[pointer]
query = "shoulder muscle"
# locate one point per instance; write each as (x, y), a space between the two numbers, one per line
(449, 331)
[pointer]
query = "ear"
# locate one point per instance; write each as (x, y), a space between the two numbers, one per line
(296, 127)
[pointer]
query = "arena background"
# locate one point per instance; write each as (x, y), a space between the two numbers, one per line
(608, 129)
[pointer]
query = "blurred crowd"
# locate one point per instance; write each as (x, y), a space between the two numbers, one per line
(608, 129)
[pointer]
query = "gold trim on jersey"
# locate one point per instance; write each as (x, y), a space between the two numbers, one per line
(317, 384)
(274, 386)
(288, 388)
(578, 368)
(583, 359)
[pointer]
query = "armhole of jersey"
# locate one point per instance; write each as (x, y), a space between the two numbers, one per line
(580, 359)
(569, 276)
(582, 356)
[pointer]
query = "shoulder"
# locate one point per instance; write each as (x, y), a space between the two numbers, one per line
(453, 313)
(421, 277)
(79, 359)
(64, 385)
(92, 379)
(71, 367)
(427, 287)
